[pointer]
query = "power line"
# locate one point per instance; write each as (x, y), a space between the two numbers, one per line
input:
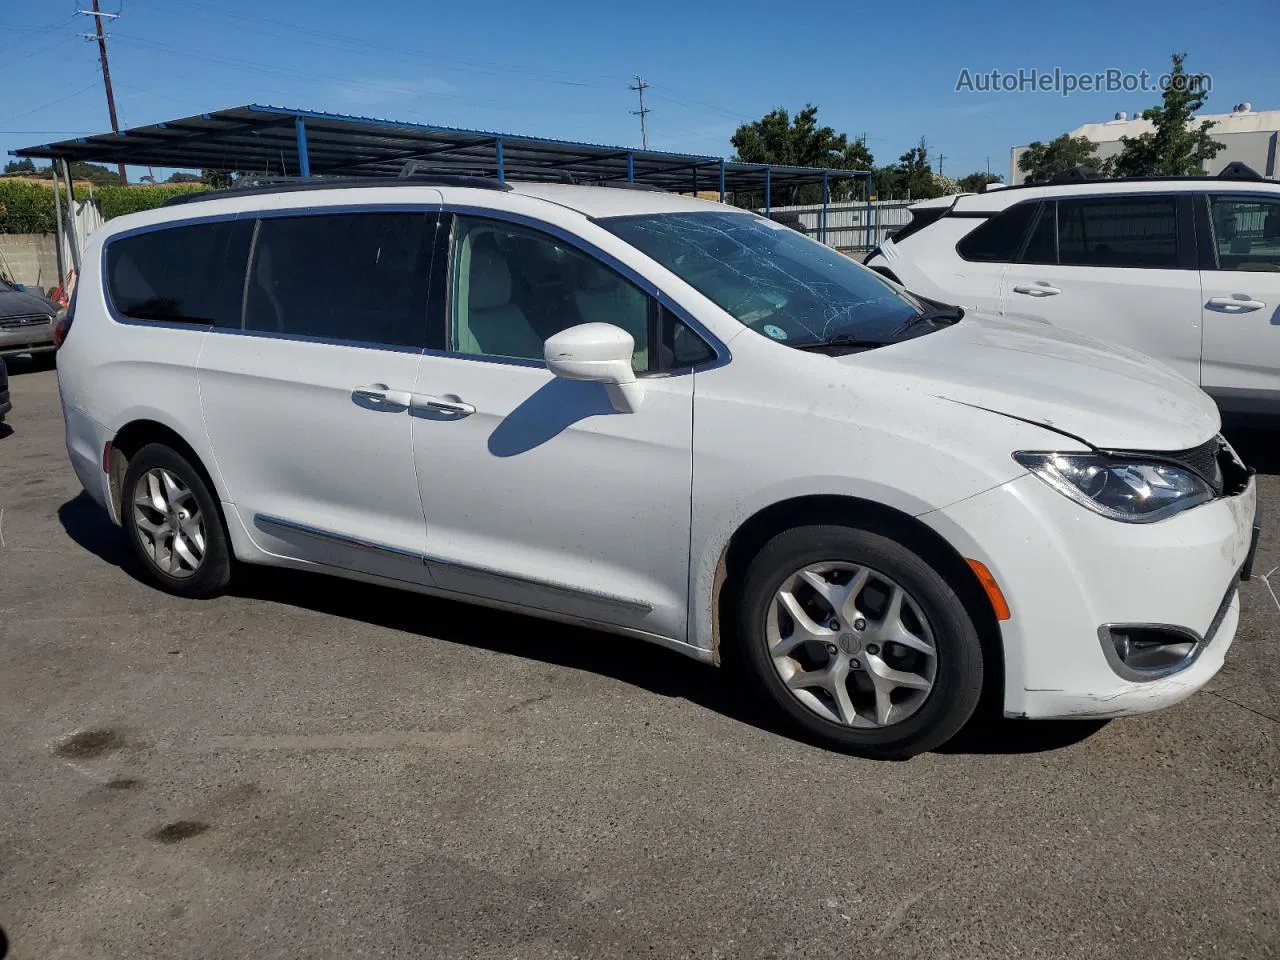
(639, 87)
(106, 72)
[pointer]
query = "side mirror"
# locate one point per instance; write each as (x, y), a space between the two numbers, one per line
(600, 352)
(20, 287)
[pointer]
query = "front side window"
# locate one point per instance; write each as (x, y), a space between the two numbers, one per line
(1246, 232)
(513, 287)
(357, 277)
(188, 274)
(998, 240)
(1118, 232)
(769, 277)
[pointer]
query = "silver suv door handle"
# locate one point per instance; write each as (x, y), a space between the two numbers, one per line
(1239, 302)
(380, 394)
(1036, 289)
(446, 405)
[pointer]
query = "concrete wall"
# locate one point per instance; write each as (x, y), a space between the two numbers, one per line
(30, 258)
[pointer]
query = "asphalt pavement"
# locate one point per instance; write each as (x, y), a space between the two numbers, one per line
(311, 768)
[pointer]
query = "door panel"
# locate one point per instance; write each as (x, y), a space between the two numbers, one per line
(1242, 304)
(547, 497)
(1119, 269)
(308, 407)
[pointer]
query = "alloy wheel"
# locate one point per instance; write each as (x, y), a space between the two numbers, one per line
(851, 644)
(169, 522)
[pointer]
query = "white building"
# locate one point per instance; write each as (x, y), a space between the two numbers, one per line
(1248, 135)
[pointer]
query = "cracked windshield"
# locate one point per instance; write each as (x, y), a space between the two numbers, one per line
(774, 280)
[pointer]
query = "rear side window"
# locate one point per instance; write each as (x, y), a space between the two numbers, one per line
(998, 239)
(1119, 232)
(1042, 245)
(356, 277)
(188, 274)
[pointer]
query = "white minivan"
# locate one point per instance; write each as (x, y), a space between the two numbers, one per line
(663, 418)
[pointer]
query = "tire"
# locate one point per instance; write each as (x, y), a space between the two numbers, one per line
(181, 537)
(855, 648)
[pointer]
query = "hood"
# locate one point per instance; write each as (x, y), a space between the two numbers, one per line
(15, 303)
(1107, 395)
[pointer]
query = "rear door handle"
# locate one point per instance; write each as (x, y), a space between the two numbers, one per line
(1036, 289)
(446, 405)
(380, 394)
(1239, 302)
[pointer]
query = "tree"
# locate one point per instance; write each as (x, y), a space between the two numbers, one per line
(216, 179)
(911, 177)
(1040, 161)
(23, 167)
(799, 141)
(180, 177)
(977, 181)
(1177, 147)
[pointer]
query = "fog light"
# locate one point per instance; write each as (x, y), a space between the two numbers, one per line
(1152, 649)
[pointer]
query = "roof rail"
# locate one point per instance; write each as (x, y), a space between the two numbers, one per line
(340, 183)
(1235, 170)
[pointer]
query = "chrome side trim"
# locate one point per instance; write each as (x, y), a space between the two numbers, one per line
(547, 585)
(262, 519)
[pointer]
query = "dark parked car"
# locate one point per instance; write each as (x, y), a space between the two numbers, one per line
(26, 320)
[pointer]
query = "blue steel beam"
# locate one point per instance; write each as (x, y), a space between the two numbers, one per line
(722, 181)
(304, 157)
(502, 170)
(768, 192)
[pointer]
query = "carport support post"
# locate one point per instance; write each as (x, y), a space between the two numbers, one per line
(768, 192)
(631, 168)
(71, 218)
(826, 195)
(869, 232)
(695, 179)
(722, 181)
(304, 157)
(57, 212)
(502, 170)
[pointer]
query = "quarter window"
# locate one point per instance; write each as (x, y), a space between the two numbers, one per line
(357, 277)
(1246, 233)
(189, 274)
(1118, 232)
(998, 239)
(514, 287)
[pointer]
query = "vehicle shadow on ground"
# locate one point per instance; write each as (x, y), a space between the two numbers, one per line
(5, 431)
(644, 665)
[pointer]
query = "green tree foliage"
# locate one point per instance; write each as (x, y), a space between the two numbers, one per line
(1040, 161)
(799, 141)
(117, 200)
(977, 181)
(910, 178)
(1175, 148)
(27, 207)
(23, 167)
(180, 177)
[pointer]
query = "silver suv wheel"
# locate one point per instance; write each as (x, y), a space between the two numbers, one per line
(169, 522)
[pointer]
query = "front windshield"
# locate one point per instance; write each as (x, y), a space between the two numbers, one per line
(769, 277)
(4, 287)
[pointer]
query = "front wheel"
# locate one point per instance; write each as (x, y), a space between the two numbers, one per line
(173, 522)
(859, 641)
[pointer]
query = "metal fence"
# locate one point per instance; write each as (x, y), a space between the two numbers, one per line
(847, 221)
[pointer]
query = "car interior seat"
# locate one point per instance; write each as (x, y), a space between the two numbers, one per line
(486, 320)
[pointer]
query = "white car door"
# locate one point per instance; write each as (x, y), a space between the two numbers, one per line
(1242, 303)
(537, 492)
(1119, 268)
(307, 406)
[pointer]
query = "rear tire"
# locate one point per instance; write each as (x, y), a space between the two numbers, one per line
(858, 641)
(174, 523)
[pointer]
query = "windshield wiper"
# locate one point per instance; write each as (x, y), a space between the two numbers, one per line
(839, 342)
(934, 316)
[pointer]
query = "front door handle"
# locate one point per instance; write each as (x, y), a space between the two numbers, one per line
(451, 405)
(1036, 289)
(1237, 302)
(380, 395)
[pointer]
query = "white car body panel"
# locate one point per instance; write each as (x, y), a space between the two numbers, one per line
(547, 499)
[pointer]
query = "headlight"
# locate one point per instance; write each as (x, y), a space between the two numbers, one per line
(1128, 489)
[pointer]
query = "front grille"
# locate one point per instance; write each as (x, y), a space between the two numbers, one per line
(24, 320)
(1204, 460)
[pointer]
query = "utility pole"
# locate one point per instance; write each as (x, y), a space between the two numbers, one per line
(106, 71)
(940, 159)
(639, 87)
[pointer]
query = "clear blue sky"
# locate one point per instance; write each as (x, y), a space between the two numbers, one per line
(562, 70)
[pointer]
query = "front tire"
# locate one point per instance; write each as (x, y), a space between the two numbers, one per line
(858, 641)
(174, 523)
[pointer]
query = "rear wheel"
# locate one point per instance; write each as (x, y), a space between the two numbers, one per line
(859, 641)
(173, 522)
